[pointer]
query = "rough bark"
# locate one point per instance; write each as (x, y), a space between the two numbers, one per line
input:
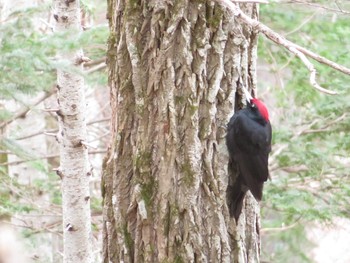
(174, 67)
(74, 166)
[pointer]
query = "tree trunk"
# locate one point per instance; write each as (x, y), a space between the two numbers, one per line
(3, 9)
(174, 67)
(74, 166)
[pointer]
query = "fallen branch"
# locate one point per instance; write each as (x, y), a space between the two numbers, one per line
(251, 1)
(56, 130)
(292, 47)
(282, 228)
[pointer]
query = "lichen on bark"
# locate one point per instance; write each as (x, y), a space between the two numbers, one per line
(174, 67)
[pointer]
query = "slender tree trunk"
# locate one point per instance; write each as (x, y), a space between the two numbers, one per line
(74, 166)
(174, 67)
(3, 9)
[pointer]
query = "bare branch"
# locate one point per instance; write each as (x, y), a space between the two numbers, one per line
(307, 20)
(88, 145)
(312, 70)
(45, 157)
(326, 127)
(339, 10)
(282, 228)
(98, 121)
(36, 134)
(323, 60)
(95, 62)
(81, 60)
(23, 112)
(294, 48)
(305, 130)
(295, 168)
(50, 110)
(252, 1)
(50, 134)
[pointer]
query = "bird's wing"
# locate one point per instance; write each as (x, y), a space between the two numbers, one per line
(251, 144)
(251, 137)
(254, 173)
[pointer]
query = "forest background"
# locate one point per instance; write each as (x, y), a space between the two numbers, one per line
(306, 204)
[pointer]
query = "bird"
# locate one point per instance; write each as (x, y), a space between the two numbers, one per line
(248, 141)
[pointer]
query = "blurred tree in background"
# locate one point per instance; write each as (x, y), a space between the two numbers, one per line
(30, 195)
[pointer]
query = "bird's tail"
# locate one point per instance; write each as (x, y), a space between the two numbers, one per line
(235, 197)
(235, 191)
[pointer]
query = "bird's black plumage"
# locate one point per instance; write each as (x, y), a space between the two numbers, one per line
(248, 141)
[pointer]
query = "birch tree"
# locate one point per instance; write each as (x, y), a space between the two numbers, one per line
(174, 69)
(74, 168)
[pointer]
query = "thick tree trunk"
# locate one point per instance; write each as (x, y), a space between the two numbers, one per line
(174, 67)
(74, 166)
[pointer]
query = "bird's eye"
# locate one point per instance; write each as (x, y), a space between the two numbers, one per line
(253, 105)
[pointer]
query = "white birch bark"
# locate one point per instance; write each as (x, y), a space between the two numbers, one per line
(4, 9)
(74, 167)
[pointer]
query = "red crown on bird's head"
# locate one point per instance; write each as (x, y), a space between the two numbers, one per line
(259, 104)
(261, 107)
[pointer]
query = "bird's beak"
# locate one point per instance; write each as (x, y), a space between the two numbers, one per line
(248, 96)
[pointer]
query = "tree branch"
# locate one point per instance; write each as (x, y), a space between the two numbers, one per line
(56, 130)
(326, 127)
(101, 151)
(311, 69)
(23, 112)
(322, 60)
(95, 62)
(292, 47)
(307, 20)
(339, 10)
(251, 1)
(282, 228)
